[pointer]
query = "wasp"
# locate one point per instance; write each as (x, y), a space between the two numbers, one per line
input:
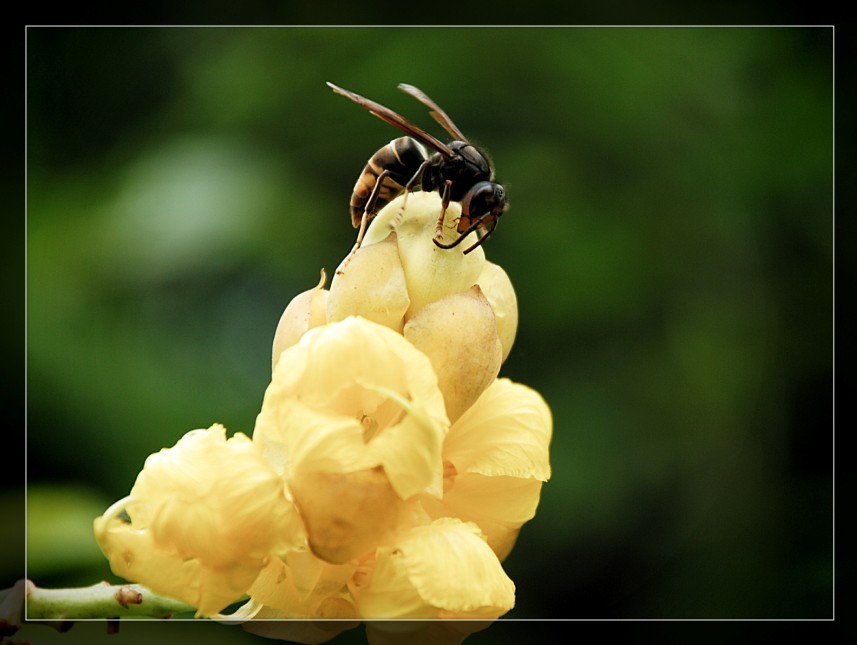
(459, 171)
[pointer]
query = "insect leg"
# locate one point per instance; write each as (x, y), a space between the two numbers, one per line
(370, 205)
(438, 231)
(417, 178)
(476, 225)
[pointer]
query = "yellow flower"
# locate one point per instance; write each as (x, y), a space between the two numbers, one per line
(355, 421)
(441, 570)
(390, 470)
(461, 313)
(495, 462)
(204, 515)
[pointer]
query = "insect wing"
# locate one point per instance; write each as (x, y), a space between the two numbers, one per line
(396, 120)
(436, 113)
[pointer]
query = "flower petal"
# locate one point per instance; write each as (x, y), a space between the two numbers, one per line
(346, 515)
(409, 450)
(305, 311)
(313, 439)
(353, 395)
(497, 287)
(298, 585)
(459, 335)
(207, 486)
(133, 555)
(506, 432)
(371, 285)
(442, 569)
(498, 505)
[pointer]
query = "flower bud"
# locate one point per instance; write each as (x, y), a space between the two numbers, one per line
(497, 287)
(459, 335)
(371, 285)
(430, 272)
(305, 311)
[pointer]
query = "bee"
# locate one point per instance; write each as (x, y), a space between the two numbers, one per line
(459, 171)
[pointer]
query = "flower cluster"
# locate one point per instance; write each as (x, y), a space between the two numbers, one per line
(390, 469)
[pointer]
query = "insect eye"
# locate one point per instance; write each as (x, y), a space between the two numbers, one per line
(482, 199)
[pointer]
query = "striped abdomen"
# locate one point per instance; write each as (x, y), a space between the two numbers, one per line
(401, 158)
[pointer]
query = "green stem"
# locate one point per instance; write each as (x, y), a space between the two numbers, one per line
(101, 600)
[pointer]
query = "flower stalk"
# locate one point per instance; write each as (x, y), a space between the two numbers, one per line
(57, 607)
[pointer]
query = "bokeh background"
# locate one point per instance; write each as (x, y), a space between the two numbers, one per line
(670, 239)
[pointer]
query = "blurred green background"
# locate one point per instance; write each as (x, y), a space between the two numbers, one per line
(670, 241)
